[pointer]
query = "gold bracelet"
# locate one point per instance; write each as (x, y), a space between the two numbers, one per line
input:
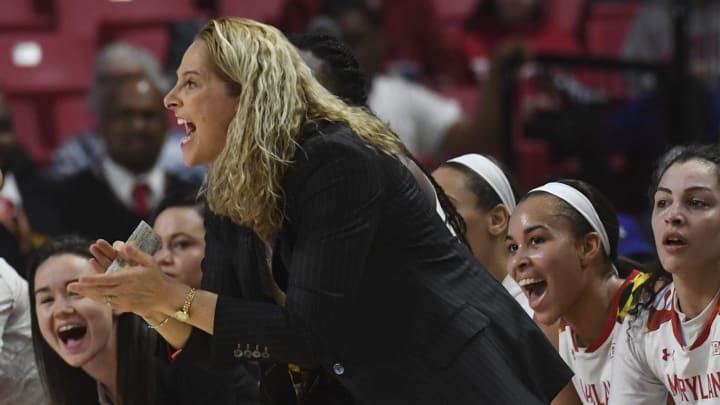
(184, 314)
(163, 322)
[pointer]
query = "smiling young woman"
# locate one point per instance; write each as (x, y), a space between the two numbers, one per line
(562, 243)
(88, 353)
(84, 349)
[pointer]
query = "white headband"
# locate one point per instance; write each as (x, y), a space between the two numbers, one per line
(491, 173)
(577, 200)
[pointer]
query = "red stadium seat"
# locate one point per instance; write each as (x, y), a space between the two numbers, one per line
(454, 11)
(22, 15)
(566, 13)
(42, 63)
(154, 39)
(71, 116)
(607, 26)
(39, 69)
(263, 10)
(83, 16)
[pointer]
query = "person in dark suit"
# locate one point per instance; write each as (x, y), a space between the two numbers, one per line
(109, 199)
(382, 299)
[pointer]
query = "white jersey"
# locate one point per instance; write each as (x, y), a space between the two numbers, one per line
(592, 364)
(668, 355)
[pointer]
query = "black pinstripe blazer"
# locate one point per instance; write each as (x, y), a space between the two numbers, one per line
(379, 294)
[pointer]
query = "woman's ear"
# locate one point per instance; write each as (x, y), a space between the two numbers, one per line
(497, 220)
(589, 247)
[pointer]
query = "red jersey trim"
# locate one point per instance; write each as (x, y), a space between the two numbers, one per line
(702, 337)
(611, 317)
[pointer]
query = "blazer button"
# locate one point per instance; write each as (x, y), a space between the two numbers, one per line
(338, 369)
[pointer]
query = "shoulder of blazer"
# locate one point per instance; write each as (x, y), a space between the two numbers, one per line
(327, 140)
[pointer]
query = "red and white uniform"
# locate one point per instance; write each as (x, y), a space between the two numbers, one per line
(592, 364)
(660, 352)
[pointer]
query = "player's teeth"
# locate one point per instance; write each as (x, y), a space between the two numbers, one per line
(529, 281)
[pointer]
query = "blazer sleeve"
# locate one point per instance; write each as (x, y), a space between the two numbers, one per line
(333, 193)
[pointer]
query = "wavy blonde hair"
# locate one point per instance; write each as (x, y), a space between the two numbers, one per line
(278, 95)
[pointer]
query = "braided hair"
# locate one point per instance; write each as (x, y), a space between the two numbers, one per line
(340, 60)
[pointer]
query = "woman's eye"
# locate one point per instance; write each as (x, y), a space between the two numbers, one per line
(512, 248)
(180, 245)
(45, 300)
(190, 84)
(697, 203)
(535, 240)
(661, 203)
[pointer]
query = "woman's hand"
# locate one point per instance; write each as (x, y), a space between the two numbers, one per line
(103, 255)
(139, 289)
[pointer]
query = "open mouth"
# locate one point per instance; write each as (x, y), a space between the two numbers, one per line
(674, 242)
(189, 129)
(534, 289)
(71, 335)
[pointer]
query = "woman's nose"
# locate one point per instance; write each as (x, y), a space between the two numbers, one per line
(674, 216)
(517, 263)
(62, 308)
(170, 100)
(163, 256)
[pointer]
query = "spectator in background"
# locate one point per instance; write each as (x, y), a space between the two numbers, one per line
(501, 38)
(113, 64)
(495, 23)
(501, 35)
(19, 381)
(651, 39)
(110, 197)
(26, 214)
(430, 126)
(412, 36)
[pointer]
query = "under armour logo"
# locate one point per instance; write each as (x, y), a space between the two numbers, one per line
(666, 353)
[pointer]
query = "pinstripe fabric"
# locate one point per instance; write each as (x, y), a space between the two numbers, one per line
(377, 284)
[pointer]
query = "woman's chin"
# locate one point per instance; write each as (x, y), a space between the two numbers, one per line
(190, 160)
(546, 318)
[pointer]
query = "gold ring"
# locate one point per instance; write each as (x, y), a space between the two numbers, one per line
(108, 299)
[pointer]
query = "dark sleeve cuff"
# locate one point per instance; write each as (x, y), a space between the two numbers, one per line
(197, 353)
(248, 330)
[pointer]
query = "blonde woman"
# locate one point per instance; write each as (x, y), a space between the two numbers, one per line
(382, 300)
